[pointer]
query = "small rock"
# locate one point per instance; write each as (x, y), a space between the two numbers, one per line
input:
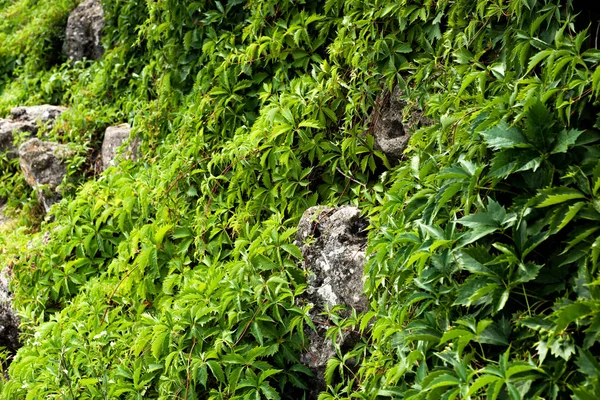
(9, 320)
(43, 166)
(390, 130)
(333, 242)
(3, 219)
(113, 138)
(84, 31)
(7, 131)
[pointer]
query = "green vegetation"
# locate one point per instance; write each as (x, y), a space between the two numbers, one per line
(175, 277)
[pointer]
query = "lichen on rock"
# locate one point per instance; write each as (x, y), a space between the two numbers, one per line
(25, 120)
(333, 243)
(84, 31)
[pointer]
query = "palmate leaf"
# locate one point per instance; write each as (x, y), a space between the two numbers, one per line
(562, 347)
(485, 223)
(539, 126)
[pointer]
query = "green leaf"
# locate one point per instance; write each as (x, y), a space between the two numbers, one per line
(565, 140)
(503, 136)
(570, 313)
(588, 364)
(443, 380)
(216, 370)
(481, 382)
(556, 195)
(293, 250)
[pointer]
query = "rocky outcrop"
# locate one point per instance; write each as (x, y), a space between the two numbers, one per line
(84, 31)
(43, 165)
(333, 242)
(391, 129)
(25, 120)
(114, 137)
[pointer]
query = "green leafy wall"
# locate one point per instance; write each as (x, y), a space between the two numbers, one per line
(176, 276)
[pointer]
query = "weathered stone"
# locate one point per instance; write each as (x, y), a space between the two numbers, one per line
(3, 219)
(45, 114)
(390, 129)
(113, 139)
(43, 165)
(25, 120)
(333, 242)
(84, 31)
(8, 129)
(9, 320)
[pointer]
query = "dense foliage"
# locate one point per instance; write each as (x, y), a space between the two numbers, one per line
(176, 277)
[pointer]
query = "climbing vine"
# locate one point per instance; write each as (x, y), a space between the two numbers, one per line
(176, 275)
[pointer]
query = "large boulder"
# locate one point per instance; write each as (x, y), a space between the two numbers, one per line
(84, 31)
(44, 167)
(391, 129)
(333, 242)
(114, 137)
(25, 120)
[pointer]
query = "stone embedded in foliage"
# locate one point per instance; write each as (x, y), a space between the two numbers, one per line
(84, 31)
(390, 129)
(25, 120)
(43, 165)
(333, 242)
(9, 320)
(7, 130)
(113, 138)
(45, 113)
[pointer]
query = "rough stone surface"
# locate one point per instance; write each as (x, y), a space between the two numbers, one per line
(9, 321)
(333, 242)
(44, 168)
(113, 138)
(45, 114)
(7, 130)
(3, 218)
(84, 31)
(25, 120)
(390, 129)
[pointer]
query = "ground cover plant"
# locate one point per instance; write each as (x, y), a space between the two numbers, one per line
(176, 277)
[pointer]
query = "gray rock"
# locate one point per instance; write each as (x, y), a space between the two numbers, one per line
(9, 320)
(25, 120)
(114, 137)
(84, 31)
(390, 129)
(7, 130)
(3, 219)
(44, 114)
(333, 242)
(43, 165)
